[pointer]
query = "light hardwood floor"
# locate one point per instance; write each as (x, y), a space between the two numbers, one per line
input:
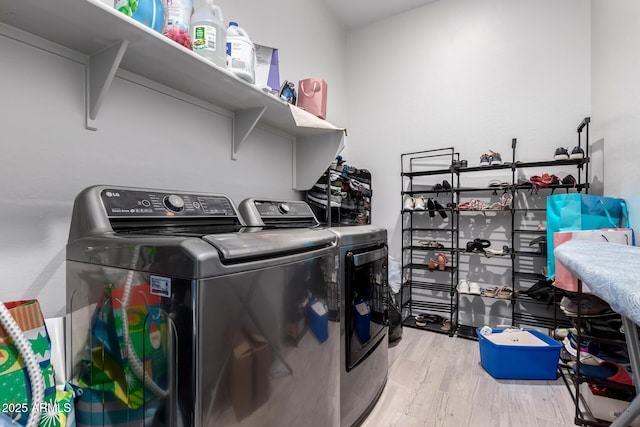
(438, 381)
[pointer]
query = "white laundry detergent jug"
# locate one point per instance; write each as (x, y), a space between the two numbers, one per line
(242, 53)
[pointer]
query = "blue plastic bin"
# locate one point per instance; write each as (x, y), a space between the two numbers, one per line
(520, 362)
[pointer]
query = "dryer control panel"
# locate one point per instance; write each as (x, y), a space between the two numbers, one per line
(261, 213)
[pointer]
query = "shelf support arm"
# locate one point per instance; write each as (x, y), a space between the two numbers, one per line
(100, 72)
(243, 124)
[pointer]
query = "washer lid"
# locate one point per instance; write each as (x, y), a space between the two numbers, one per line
(237, 247)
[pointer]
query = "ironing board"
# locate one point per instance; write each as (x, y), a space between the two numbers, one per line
(612, 272)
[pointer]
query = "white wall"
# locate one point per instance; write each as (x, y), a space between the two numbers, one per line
(615, 89)
(311, 43)
(144, 138)
(470, 74)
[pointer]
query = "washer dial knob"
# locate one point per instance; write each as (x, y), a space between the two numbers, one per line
(284, 208)
(174, 203)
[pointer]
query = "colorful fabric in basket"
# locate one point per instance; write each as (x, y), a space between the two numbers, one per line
(15, 386)
(112, 392)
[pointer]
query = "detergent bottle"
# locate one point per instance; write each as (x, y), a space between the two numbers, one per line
(208, 33)
(242, 53)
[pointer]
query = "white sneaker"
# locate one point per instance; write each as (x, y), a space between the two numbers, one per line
(474, 288)
(419, 204)
(463, 286)
(408, 204)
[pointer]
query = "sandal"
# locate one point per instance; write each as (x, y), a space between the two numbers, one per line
(490, 292)
(431, 244)
(446, 325)
(478, 205)
(489, 252)
(504, 293)
(441, 260)
(431, 265)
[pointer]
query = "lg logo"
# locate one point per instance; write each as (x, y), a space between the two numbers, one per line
(110, 194)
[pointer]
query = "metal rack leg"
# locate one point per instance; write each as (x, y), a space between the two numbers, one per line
(633, 344)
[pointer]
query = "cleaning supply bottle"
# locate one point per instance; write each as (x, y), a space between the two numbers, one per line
(177, 14)
(242, 53)
(208, 33)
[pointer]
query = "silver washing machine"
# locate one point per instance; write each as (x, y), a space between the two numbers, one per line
(179, 317)
(360, 302)
(363, 282)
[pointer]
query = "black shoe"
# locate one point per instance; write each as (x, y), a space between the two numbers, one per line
(569, 180)
(431, 207)
(577, 153)
(441, 210)
(478, 245)
(561, 154)
(446, 185)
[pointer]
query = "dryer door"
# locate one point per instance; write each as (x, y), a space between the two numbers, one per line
(366, 302)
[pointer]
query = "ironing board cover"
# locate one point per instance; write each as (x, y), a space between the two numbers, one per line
(612, 272)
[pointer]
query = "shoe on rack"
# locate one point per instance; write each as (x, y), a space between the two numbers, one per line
(457, 164)
(463, 286)
(506, 201)
(431, 244)
(474, 288)
(442, 261)
(321, 199)
(495, 158)
(409, 204)
(569, 180)
(490, 292)
(441, 210)
(564, 302)
(478, 245)
(561, 154)
(562, 333)
(446, 185)
(541, 241)
(485, 160)
(489, 252)
(419, 204)
(431, 207)
(590, 305)
(349, 204)
(606, 370)
(504, 293)
(577, 153)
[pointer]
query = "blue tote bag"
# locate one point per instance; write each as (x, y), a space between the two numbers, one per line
(576, 211)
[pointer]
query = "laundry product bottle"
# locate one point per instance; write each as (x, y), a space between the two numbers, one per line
(177, 14)
(242, 53)
(208, 33)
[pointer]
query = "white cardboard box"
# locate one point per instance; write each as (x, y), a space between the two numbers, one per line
(604, 408)
(267, 67)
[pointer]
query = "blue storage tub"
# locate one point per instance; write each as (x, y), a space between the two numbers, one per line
(520, 362)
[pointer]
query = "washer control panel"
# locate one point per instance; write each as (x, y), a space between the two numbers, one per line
(137, 204)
